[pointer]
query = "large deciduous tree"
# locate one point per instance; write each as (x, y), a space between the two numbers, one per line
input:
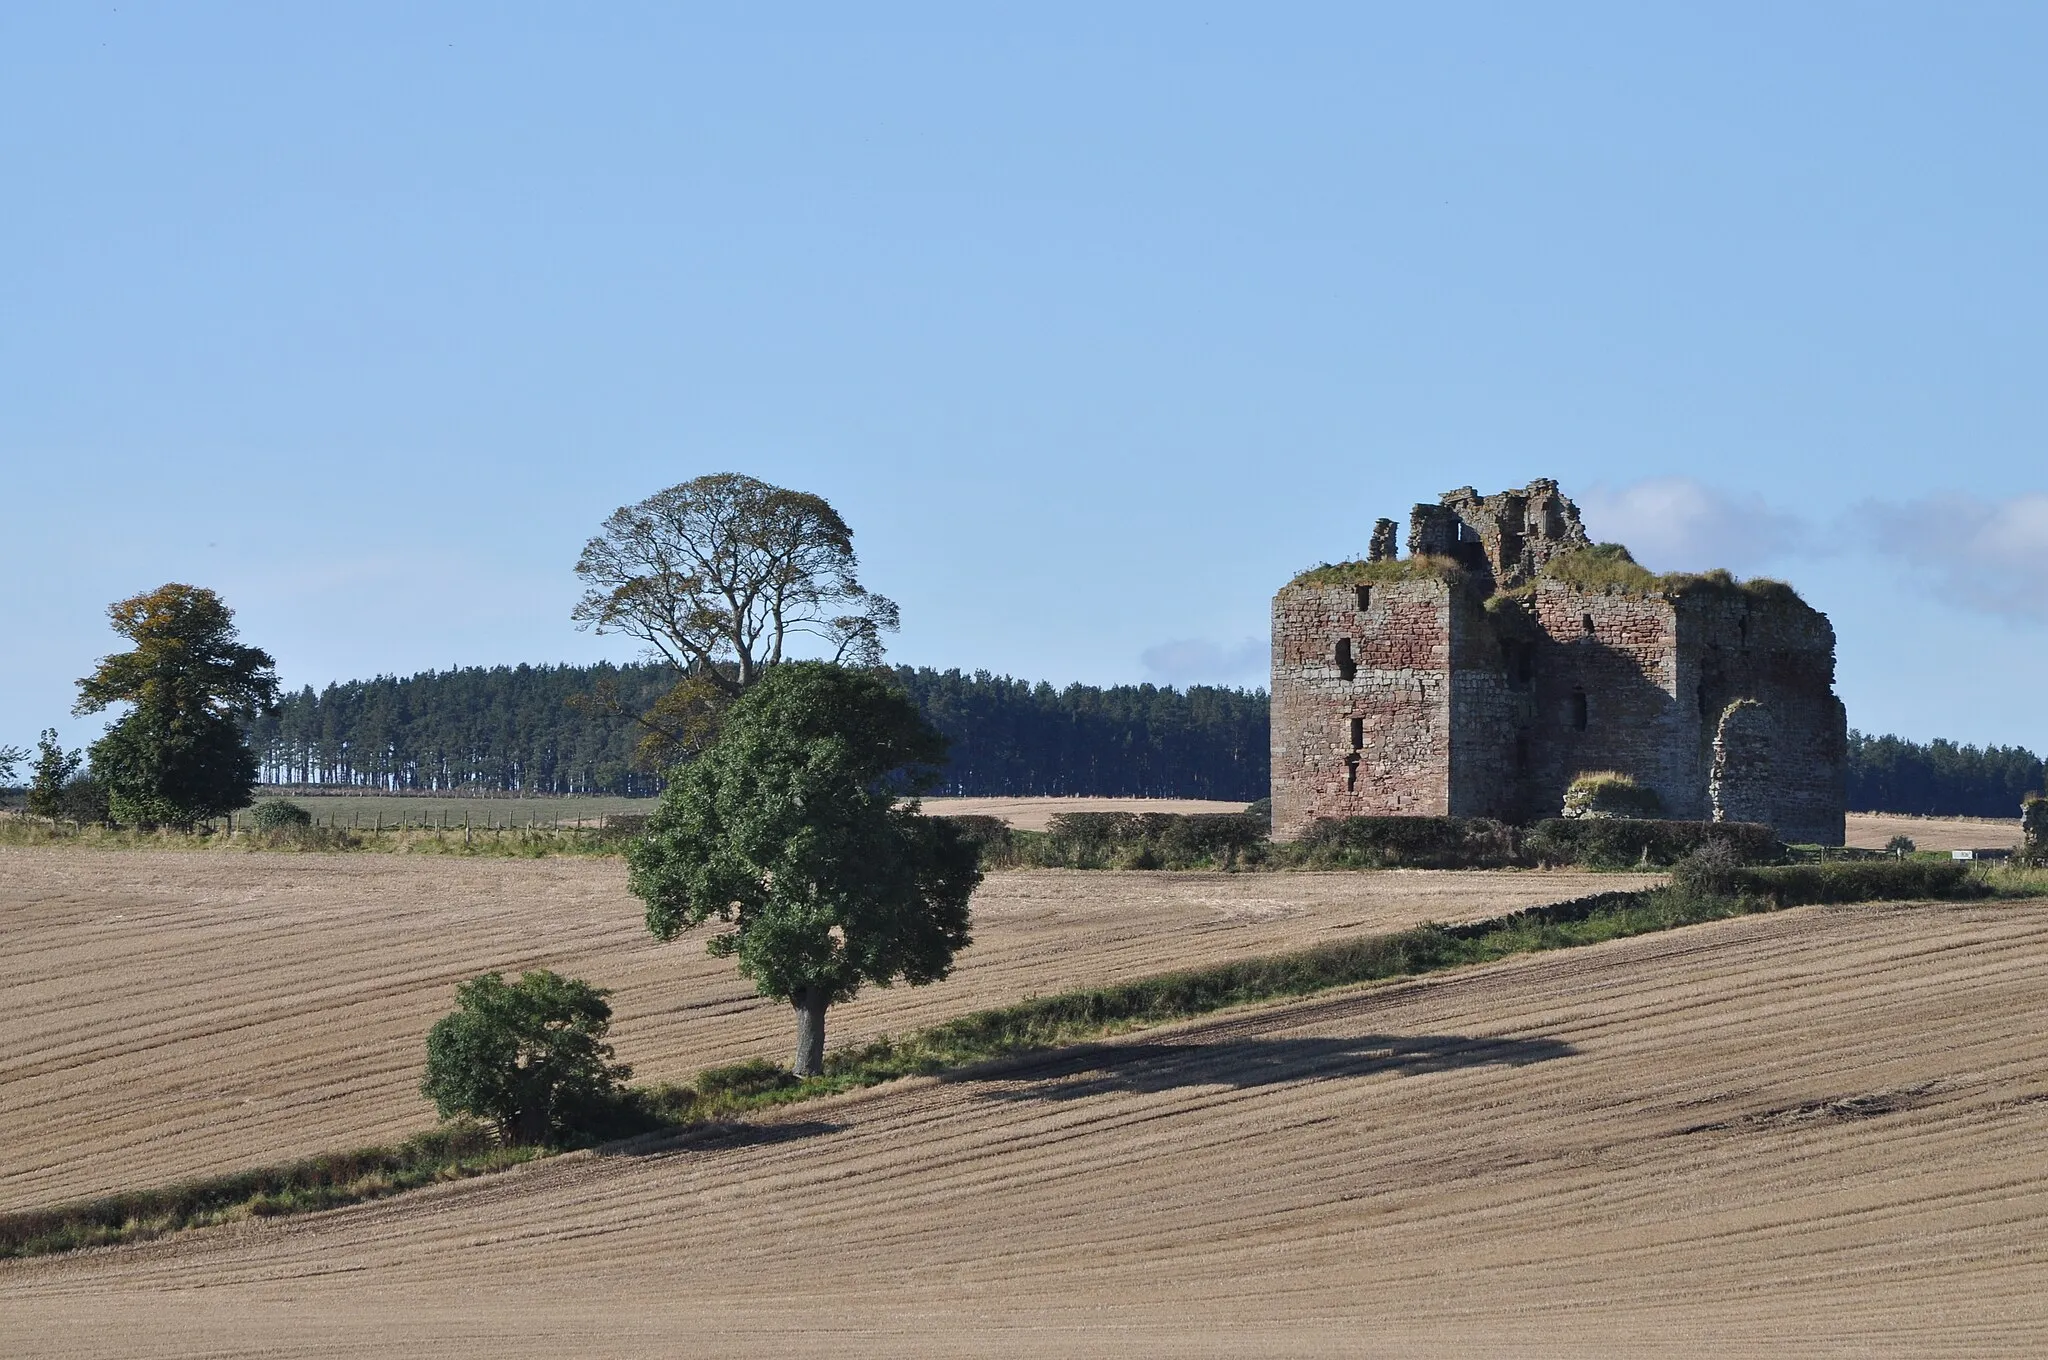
(793, 828)
(721, 575)
(178, 756)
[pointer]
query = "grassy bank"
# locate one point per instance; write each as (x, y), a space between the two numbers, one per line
(323, 1182)
(498, 841)
(723, 1094)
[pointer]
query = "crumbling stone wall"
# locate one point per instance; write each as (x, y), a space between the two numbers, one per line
(1484, 692)
(1362, 725)
(1506, 538)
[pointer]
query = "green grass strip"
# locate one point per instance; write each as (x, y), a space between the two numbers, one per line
(323, 1182)
(721, 1094)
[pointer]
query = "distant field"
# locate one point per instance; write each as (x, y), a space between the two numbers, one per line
(1873, 830)
(1867, 829)
(364, 809)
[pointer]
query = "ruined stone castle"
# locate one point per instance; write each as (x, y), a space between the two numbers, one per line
(1507, 654)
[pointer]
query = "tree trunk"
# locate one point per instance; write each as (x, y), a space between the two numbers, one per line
(810, 1032)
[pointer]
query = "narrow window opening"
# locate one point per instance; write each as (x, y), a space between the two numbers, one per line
(1351, 775)
(1358, 734)
(1586, 622)
(1579, 710)
(1347, 668)
(1742, 629)
(1364, 598)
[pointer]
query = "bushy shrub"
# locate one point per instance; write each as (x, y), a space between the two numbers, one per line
(1710, 869)
(1616, 843)
(527, 1057)
(1900, 846)
(1151, 840)
(1609, 793)
(991, 837)
(84, 799)
(280, 815)
(1796, 885)
(1407, 843)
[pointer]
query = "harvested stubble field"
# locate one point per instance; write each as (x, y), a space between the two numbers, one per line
(174, 1014)
(1874, 830)
(1821, 1132)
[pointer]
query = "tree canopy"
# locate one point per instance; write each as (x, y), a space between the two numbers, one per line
(178, 756)
(528, 1056)
(522, 728)
(793, 827)
(719, 574)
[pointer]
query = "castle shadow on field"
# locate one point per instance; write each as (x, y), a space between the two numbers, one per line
(1244, 1063)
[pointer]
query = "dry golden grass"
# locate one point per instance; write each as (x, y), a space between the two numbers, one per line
(172, 1014)
(1818, 1133)
(1874, 830)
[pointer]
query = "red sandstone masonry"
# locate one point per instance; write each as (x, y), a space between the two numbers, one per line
(1452, 707)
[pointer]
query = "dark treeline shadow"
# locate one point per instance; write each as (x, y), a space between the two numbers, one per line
(1244, 1063)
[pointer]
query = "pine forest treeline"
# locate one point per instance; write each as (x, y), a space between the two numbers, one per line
(515, 729)
(1940, 778)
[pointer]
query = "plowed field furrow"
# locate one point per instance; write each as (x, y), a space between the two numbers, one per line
(177, 1014)
(1822, 1132)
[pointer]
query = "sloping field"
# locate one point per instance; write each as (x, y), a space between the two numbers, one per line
(170, 1014)
(1819, 1133)
(1874, 830)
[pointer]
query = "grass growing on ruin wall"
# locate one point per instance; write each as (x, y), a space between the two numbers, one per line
(1419, 567)
(722, 1094)
(1607, 567)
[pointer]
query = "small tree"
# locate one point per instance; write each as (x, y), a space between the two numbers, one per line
(178, 756)
(1898, 847)
(279, 814)
(54, 768)
(529, 1057)
(10, 756)
(792, 827)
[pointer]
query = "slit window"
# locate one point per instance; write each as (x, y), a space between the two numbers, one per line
(1358, 734)
(1364, 598)
(1586, 621)
(1579, 710)
(1351, 775)
(1347, 667)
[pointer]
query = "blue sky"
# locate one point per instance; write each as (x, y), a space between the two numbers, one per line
(1096, 322)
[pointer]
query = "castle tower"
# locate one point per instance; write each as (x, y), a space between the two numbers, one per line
(1508, 654)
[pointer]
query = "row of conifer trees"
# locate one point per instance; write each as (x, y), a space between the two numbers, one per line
(531, 729)
(526, 729)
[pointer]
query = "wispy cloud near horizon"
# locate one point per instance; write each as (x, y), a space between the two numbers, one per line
(1679, 524)
(1987, 555)
(1198, 661)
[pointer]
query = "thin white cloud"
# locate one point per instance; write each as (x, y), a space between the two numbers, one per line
(1678, 524)
(1987, 555)
(1197, 661)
